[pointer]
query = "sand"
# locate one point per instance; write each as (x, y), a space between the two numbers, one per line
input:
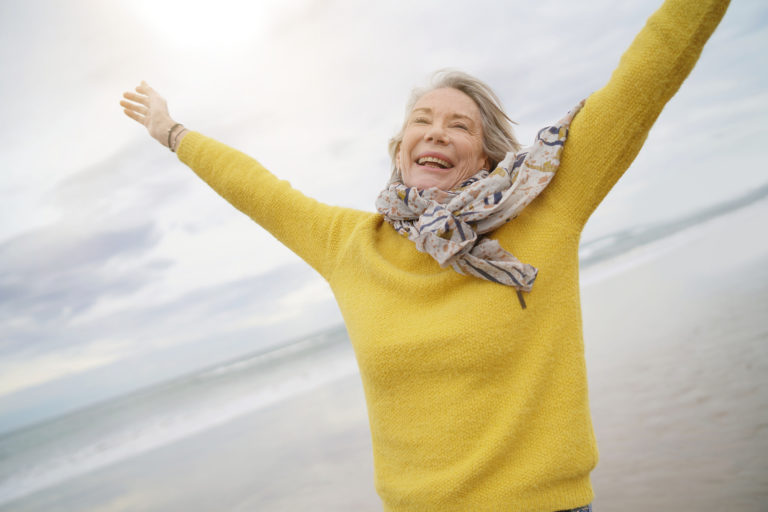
(678, 373)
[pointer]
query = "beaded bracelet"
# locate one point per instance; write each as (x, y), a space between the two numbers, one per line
(170, 130)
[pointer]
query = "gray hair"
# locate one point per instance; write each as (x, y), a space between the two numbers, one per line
(498, 136)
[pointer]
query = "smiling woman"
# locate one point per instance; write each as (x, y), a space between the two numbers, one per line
(456, 108)
(443, 143)
(474, 403)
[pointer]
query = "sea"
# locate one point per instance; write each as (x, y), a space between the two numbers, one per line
(55, 451)
(51, 452)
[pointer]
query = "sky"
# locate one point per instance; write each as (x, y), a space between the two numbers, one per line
(119, 268)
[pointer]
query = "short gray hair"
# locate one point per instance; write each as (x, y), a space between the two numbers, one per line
(498, 136)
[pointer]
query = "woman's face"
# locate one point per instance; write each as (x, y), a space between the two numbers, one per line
(443, 141)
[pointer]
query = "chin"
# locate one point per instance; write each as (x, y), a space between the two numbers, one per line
(425, 182)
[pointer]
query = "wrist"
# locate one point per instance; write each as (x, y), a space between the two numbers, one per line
(159, 129)
(172, 130)
(176, 136)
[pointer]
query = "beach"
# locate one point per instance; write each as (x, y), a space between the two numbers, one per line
(677, 357)
(311, 452)
(676, 337)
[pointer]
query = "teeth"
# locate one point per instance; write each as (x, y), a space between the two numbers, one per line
(423, 160)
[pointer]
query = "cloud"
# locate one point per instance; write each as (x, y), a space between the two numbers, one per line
(52, 365)
(50, 276)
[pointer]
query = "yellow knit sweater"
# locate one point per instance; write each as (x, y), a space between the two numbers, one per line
(474, 403)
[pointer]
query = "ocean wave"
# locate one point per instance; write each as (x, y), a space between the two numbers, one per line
(160, 430)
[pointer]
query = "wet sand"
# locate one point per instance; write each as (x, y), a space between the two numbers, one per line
(677, 351)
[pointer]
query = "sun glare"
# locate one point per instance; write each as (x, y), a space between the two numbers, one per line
(203, 24)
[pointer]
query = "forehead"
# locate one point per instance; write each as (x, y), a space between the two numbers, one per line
(448, 101)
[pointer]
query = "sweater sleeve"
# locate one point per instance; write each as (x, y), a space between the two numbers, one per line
(607, 134)
(313, 230)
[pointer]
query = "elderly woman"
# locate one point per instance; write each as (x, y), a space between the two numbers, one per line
(474, 376)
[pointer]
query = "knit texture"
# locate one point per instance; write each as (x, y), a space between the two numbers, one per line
(475, 404)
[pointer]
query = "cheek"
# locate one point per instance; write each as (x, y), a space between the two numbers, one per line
(481, 158)
(473, 154)
(401, 158)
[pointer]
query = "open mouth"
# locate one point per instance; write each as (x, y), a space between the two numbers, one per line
(434, 162)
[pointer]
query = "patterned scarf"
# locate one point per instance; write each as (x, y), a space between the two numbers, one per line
(447, 224)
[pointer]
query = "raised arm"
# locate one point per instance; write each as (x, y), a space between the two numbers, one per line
(314, 231)
(607, 134)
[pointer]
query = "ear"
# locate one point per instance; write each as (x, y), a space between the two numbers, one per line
(397, 157)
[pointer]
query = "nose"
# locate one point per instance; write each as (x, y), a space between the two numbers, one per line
(436, 133)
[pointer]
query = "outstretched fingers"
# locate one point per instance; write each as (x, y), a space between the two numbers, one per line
(133, 115)
(136, 107)
(144, 88)
(134, 110)
(138, 98)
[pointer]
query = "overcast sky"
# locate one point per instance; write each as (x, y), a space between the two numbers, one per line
(119, 268)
